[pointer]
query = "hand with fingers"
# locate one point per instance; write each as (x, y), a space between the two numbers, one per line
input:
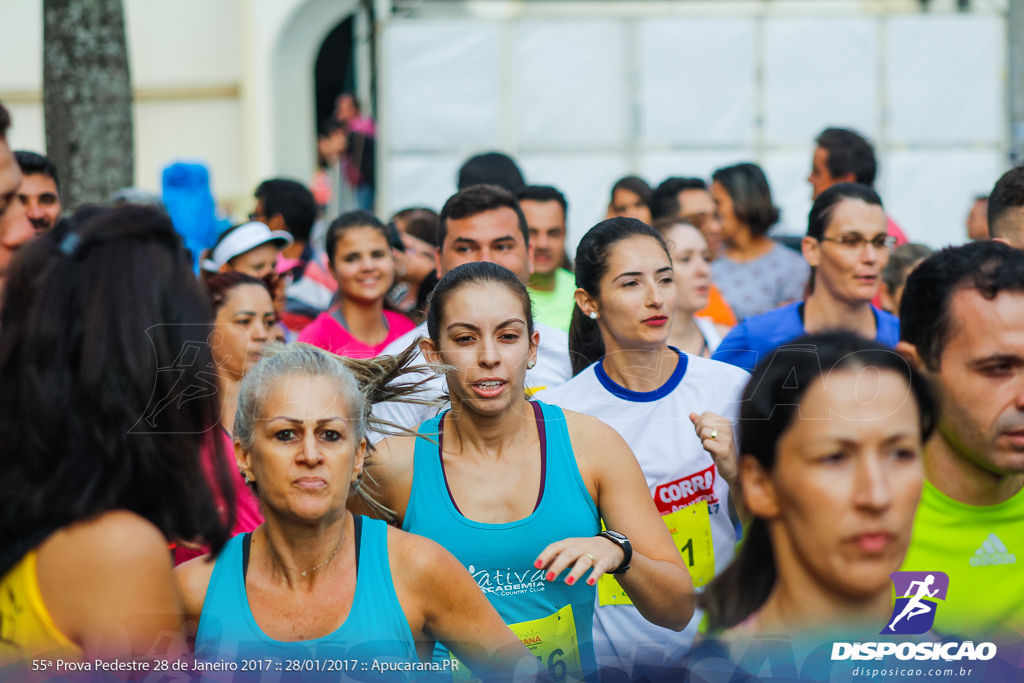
(596, 554)
(715, 434)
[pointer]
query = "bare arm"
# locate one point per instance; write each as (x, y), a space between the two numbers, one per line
(193, 581)
(442, 602)
(109, 587)
(657, 582)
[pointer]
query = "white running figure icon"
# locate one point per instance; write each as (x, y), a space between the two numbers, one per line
(914, 606)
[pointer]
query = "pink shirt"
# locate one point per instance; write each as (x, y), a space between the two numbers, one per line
(248, 507)
(327, 333)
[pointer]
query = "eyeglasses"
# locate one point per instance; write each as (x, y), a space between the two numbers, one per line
(857, 241)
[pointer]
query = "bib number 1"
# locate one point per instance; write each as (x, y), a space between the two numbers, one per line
(691, 532)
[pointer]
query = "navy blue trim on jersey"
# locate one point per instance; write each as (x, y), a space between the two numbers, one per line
(643, 396)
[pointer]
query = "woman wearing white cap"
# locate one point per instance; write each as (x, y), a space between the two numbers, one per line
(249, 248)
(252, 248)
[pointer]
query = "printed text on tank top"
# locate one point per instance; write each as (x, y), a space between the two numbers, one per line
(543, 456)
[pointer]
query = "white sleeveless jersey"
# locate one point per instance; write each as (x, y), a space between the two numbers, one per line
(679, 473)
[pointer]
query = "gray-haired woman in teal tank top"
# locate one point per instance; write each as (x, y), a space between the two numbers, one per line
(516, 490)
(316, 586)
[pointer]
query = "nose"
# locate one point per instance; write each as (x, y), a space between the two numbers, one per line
(15, 227)
(655, 297)
(260, 331)
(310, 453)
(489, 356)
(872, 487)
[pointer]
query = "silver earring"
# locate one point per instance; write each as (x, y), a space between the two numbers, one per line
(593, 315)
(530, 365)
(246, 476)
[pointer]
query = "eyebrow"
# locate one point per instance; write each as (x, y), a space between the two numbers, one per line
(639, 274)
(299, 421)
(474, 328)
(996, 358)
(245, 313)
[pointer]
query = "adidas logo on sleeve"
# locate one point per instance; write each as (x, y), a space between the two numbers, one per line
(992, 551)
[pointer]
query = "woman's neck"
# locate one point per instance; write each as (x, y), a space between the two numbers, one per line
(686, 335)
(792, 608)
(640, 370)
(229, 385)
(746, 246)
(365, 321)
(488, 435)
(799, 600)
(301, 553)
(823, 311)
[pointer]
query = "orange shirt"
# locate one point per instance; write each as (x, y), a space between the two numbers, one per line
(717, 309)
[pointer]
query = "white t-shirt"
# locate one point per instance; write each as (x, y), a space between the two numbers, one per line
(679, 473)
(553, 368)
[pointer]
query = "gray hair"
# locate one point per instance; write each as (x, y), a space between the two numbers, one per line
(360, 384)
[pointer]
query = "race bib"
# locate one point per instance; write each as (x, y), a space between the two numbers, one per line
(552, 640)
(691, 532)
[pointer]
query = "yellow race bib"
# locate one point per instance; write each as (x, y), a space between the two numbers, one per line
(552, 640)
(691, 532)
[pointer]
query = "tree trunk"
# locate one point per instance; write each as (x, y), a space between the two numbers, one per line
(87, 98)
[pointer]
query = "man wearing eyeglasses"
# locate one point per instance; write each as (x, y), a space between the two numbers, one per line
(847, 245)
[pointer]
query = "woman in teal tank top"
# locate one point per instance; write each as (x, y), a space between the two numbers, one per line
(517, 489)
(315, 590)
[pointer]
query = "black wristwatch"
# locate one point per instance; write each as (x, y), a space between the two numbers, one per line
(627, 549)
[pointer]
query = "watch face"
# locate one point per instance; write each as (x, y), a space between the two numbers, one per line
(616, 535)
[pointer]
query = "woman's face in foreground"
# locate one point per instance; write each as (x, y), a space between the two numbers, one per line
(304, 456)
(846, 483)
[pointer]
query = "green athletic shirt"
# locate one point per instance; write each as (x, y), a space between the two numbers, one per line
(982, 551)
(554, 308)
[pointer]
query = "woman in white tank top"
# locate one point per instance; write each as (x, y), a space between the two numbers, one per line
(672, 408)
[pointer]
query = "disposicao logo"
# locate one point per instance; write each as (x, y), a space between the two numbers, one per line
(914, 614)
(916, 592)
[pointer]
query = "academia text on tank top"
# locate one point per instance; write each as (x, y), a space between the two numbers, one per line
(554, 620)
(375, 630)
(682, 477)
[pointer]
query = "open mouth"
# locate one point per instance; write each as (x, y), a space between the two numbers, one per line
(489, 388)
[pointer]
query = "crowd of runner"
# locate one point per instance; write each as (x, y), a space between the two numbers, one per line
(442, 445)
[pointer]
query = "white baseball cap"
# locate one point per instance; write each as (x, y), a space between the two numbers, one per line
(243, 238)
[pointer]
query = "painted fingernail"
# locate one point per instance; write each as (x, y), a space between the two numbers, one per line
(570, 580)
(551, 576)
(591, 582)
(538, 564)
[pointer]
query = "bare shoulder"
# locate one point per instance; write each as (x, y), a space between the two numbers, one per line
(94, 573)
(112, 539)
(591, 437)
(193, 581)
(418, 556)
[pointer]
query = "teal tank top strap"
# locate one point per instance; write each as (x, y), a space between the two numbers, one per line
(375, 629)
(553, 619)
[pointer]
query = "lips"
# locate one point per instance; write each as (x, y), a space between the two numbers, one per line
(873, 543)
(489, 387)
(310, 483)
(656, 320)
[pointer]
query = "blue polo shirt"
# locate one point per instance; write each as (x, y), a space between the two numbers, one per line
(759, 335)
